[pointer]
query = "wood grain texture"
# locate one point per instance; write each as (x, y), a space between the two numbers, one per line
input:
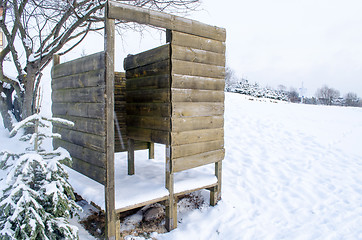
(195, 123)
(87, 110)
(196, 136)
(149, 122)
(190, 54)
(148, 57)
(192, 41)
(149, 109)
(163, 20)
(87, 125)
(189, 162)
(80, 65)
(93, 78)
(149, 82)
(158, 68)
(79, 95)
(149, 135)
(197, 109)
(195, 95)
(197, 69)
(149, 96)
(197, 82)
(196, 148)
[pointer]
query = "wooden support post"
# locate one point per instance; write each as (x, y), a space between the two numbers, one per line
(109, 42)
(171, 203)
(151, 150)
(131, 168)
(215, 192)
(56, 59)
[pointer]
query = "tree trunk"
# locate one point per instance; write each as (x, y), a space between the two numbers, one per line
(28, 108)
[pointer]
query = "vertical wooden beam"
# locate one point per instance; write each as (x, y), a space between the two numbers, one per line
(109, 42)
(130, 156)
(171, 203)
(151, 150)
(215, 192)
(56, 59)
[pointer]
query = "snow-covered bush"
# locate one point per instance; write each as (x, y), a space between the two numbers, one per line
(37, 199)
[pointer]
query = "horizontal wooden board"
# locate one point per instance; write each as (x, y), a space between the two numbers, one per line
(138, 145)
(192, 41)
(88, 110)
(85, 79)
(196, 136)
(197, 82)
(184, 163)
(149, 135)
(193, 95)
(79, 95)
(148, 96)
(95, 142)
(197, 69)
(147, 16)
(196, 148)
(196, 123)
(197, 109)
(149, 122)
(148, 57)
(153, 69)
(149, 109)
(85, 154)
(80, 65)
(96, 173)
(149, 82)
(197, 55)
(88, 125)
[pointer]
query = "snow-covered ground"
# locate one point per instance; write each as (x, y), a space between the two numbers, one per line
(291, 171)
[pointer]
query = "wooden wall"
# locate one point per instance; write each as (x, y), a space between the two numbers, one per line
(197, 96)
(175, 96)
(78, 89)
(148, 95)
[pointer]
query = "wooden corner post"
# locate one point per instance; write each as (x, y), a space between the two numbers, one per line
(171, 203)
(109, 44)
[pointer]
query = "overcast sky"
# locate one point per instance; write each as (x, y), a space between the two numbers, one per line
(288, 42)
(273, 42)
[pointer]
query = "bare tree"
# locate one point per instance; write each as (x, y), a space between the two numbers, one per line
(351, 99)
(327, 95)
(293, 95)
(37, 29)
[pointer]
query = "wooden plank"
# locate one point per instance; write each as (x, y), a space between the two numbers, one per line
(192, 41)
(196, 136)
(130, 156)
(149, 82)
(195, 123)
(189, 162)
(88, 125)
(148, 57)
(197, 82)
(149, 109)
(196, 148)
(197, 69)
(197, 109)
(148, 135)
(80, 65)
(89, 170)
(163, 20)
(195, 189)
(109, 40)
(171, 202)
(156, 123)
(151, 150)
(158, 68)
(88, 110)
(197, 55)
(195, 95)
(138, 205)
(85, 154)
(87, 140)
(138, 145)
(84, 79)
(79, 95)
(148, 96)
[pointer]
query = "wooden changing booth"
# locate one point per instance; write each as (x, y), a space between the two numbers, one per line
(174, 96)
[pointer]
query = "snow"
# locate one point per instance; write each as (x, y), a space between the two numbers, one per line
(291, 171)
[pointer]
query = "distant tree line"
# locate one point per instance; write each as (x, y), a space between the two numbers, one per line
(323, 96)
